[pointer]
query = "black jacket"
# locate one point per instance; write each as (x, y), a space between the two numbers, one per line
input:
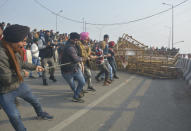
(70, 55)
(48, 51)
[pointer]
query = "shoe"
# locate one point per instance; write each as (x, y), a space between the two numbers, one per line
(44, 116)
(85, 91)
(52, 78)
(97, 79)
(78, 100)
(90, 88)
(116, 77)
(109, 81)
(45, 82)
(105, 83)
(81, 94)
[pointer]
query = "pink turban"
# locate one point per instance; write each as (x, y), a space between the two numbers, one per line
(84, 36)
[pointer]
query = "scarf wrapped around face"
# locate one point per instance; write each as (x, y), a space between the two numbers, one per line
(13, 59)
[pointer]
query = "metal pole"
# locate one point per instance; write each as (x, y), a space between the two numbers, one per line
(83, 23)
(57, 18)
(56, 22)
(85, 26)
(100, 30)
(169, 38)
(172, 26)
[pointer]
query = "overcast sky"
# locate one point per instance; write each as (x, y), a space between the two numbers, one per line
(154, 31)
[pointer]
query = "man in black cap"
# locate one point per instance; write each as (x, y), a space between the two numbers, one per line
(12, 73)
(72, 71)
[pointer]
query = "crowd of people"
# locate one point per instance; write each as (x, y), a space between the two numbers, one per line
(163, 51)
(75, 51)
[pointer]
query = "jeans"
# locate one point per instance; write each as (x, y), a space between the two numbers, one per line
(71, 78)
(110, 75)
(36, 61)
(88, 75)
(50, 62)
(114, 67)
(110, 71)
(103, 71)
(7, 101)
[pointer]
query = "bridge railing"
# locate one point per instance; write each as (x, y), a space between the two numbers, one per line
(184, 63)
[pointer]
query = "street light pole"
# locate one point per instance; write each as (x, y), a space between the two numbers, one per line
(172, 26)
(57, 18)
(56, 22)
(169, 37)
(172, 6)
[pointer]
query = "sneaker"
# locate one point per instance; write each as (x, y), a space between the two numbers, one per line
(78, 100)
(105, 83)
(84, 91)
(45, 82)
(44, 116)
(90, 88)
(109, 81)
(52, 78)
(81, 94)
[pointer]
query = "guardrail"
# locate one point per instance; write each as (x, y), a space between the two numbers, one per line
(185, 65)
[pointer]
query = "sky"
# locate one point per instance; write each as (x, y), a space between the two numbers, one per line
(155, 31)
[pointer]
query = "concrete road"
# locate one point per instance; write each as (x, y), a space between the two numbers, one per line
(132, 103)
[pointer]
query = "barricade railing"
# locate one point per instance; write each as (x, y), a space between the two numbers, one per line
(185, 65)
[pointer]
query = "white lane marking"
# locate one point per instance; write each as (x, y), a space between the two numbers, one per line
(133, 104)
(68, 121)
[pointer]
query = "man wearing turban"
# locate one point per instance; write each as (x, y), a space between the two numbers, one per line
(12, 73)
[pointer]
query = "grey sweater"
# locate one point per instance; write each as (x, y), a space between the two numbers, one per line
(8, 77)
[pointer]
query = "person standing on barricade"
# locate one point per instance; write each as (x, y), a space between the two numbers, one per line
(12, 73)
(46, 53)
(71, 71)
